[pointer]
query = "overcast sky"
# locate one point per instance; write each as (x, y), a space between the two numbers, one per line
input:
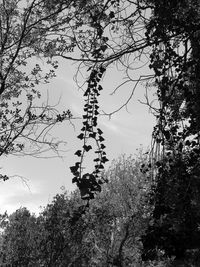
(125, 131)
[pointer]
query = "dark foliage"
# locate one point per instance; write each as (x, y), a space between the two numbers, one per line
(175, 61)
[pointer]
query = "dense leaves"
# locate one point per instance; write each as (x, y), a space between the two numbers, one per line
(20, 239)
(67, 233)
(175, 61)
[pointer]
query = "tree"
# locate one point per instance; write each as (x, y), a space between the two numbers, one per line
(67, 233)
(176, 67)
(61, 232)
(118, 216)
(25, 117)
(19, 239)
(54, 238)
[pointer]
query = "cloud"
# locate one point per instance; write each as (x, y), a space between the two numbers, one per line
(110, 126)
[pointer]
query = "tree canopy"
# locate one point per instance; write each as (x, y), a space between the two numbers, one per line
(65, 233)
(26, 117)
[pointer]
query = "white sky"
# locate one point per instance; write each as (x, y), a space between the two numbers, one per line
(44, 178)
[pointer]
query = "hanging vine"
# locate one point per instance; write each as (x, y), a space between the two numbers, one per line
(89, 183)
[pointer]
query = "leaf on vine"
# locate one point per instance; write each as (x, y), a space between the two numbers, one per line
(74, 180)
(88, 128)
(98, 151)
(78, 153)
(74, 168)
(100, 88)
(92, 135)
(104, 159)
(87, 116)
(94, 120)
(86, 92)
(80, 136)
(90, 111)
(85, 123)
(102, 146)
(94, 101)
(99, 131)
(101, 139)
(87, 148)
